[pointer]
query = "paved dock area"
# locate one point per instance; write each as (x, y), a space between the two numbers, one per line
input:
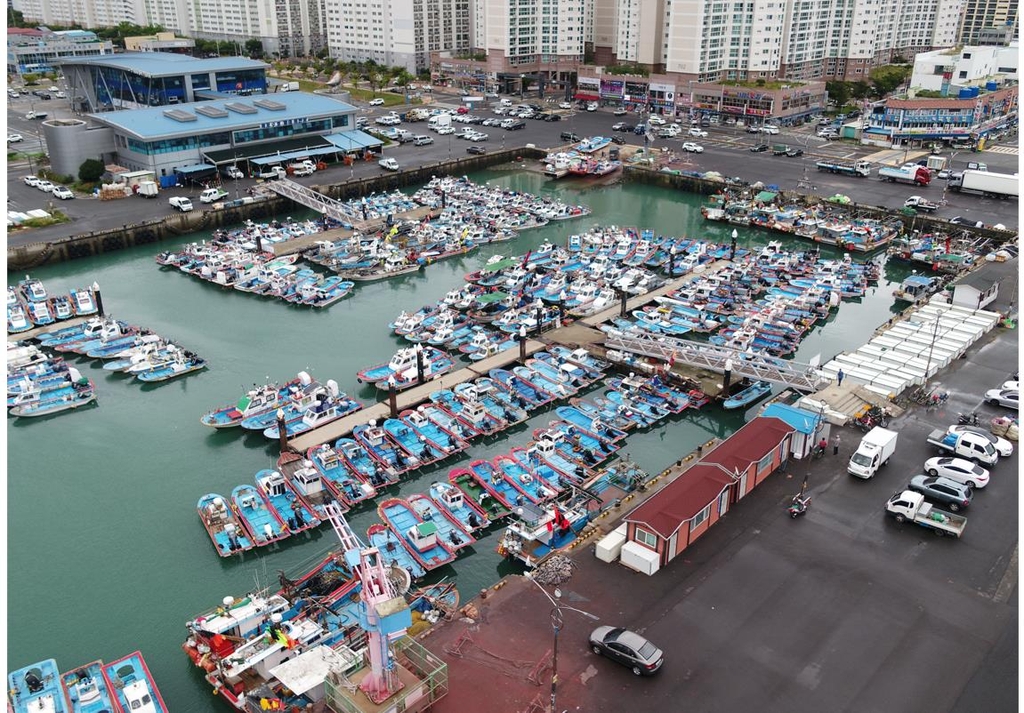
(408, 399)
(36, 331)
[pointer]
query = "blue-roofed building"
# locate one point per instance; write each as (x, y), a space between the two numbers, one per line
(810, 427)
(235, 130)
(33, 51)
(132, 80)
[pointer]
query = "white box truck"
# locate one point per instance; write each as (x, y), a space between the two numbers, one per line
(874, 451)
(990, 185)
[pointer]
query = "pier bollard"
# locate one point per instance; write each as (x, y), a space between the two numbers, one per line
(99, 298)
(538, 314)
(419, 363)
(727, 378)
(622, 304)
(393, 397)
(522, 345)
(259, 242)
(282, 431)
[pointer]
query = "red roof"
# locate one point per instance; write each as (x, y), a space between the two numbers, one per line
(681, 499)
(25, 31)
(749, 444)
(931, 103)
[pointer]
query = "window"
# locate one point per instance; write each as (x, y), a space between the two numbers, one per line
(765, 463)
(646, 538)
(700, 517)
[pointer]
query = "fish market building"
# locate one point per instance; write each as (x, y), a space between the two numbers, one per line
(194, 139)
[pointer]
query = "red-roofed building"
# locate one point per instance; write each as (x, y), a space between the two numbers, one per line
(670, 521)
(962, 120)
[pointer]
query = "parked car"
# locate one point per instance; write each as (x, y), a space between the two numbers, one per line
(949, 493)
(422, 140)
(958, 469)
(618, 140)
(592, 106)
(692, 147)
(31, 181)
(569, 136)
(388, 164)
(1007, 398)
(627, 648)
(620, 112)
(516, 125)
(476, 150)
(462, 110)
(477, 136)
(45, 186)
(445, 130)
(753, 130)
(14, 138)
(623, 126)
(233, 172)
(640, 129)
(565, 105)
(656, 121)
(552, 117)
(1003, 447)
(63, 192)
(794, 152)
(760, 148)
(699, 133)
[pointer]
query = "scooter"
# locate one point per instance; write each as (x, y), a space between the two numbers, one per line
(967, 419)
(818, 452)
(798, 506)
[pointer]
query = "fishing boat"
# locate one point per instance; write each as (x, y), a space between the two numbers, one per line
(447, 423)
(348, 485)
(435, 363)
(749, 395)
(363, 464)
(421, 539)
(184, 362)
(81, 391)
(133, 686)
(382, 448)
(32, 289)
(491, 479)
(86, 690)
(440, 439)
(450, 529)
(257, 401)
(593, 143)
(476, 493)
(522, 479)
(392, 551)
(227, 532)
(593, 426)
(36, 689)
(538, 530)
(84, 301)
(915, 287)
(61, 307)
(326, 406)
(414, 444)
(40, 313)
(297, 514)
(469, 411)
(401, 361)
(89, 329)
(550, 450)
(309, 484)
(526, 391)
(471, 517)
(258, 516)
(17, 320)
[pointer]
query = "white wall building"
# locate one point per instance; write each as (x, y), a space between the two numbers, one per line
(542, 37)
(966, 67)
(85, 13)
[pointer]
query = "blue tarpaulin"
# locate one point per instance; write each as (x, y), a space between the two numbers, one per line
(195, 168)
(293, 155)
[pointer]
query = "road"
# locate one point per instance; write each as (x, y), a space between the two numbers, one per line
(726, 151)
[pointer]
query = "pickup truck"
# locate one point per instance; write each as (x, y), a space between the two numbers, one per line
(181, 203)
(271, 172)
(212, 195)
(233, 172)
(848, 168)
(302, 169)
(920, 204)
(908, 506)
(971, 446)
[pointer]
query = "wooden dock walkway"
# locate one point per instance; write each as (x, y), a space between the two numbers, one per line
(408, 399)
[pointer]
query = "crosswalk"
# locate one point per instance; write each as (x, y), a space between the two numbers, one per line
(1011, 150)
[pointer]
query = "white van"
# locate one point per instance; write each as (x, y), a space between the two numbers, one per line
(874, 451)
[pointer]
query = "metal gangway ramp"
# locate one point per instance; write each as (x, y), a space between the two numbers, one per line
(803, 377)
(324, 205)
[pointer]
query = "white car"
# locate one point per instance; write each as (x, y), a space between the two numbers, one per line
(14, 138)
(445, 130)
(1003, 447)
(45, 186)
(388, 164)
(1007, 398)
(388, 120)
(656, 121)
(377, 102)
(592, 106)
(233, 172)
(63, 192)
(31, 181)
(565, 105)
(769, 129)
(478, 136)
(958, 469)
(692, 147)
(699, 133)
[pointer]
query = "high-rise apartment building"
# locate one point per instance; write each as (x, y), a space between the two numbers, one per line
(989, 22)
(397, 33)
(84, 13)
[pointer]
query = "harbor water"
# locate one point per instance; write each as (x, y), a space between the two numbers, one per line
(106, 554)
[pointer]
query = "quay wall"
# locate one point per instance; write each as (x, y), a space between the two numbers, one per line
(85, 245)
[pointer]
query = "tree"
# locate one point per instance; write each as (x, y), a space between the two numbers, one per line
(254, 47)
(91, 170)
(403, 78)
(838, 91)
(886, 79)
(859, 90)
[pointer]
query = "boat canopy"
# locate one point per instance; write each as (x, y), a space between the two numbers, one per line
(491, 297)
(501, 264)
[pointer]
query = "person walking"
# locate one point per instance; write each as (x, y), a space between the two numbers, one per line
(839, 378)
(835, 445)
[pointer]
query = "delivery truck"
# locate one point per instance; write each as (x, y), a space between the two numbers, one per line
(910, 173)
(874, 451)
(848, 168)
(984, 183)
(908, 506)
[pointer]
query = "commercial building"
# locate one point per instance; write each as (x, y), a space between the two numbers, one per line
(989, 22)
(140, 79)
(948, 71)
(160, 42)
(195, 137)
(965, 121)
(32, 51)
(397, 33)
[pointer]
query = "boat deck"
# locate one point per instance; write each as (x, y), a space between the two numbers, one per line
(341, 428)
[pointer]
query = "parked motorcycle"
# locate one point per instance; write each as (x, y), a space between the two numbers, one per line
(967, 419)
(798, 506)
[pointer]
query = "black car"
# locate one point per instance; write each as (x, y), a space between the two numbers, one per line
(618, 140)
(627, 648)
(948, 492)
(760, 148)
(553, 117)
(476, 149)
(519, 124)
(621, 126)
(569, 136)
(795, 152)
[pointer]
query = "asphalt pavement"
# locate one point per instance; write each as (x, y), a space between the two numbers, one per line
(726, 150)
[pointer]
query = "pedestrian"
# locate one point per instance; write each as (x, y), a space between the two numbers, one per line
(839, 378)
(835, 445)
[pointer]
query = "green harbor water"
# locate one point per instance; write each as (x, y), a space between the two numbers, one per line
(106, 554)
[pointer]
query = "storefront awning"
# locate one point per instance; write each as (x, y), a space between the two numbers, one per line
(354, 140)
(587, 96)
(195, 168)
(293, 155)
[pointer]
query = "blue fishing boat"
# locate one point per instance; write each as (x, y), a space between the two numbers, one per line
(448, 423)
(526, 391)
(31, 404)
(115, 347)
(401, 361)
(262, 521)
(538, 530)
(593, 426)
(347, 484)
(469, 411)
(453, 500)
(445, 441)
(227, 532)
(585, 442)
(260, 400)
(749, 395)
(32, 289)
(324, 292)
(46, 376)
(593, 143)
(133, 686)
(39, 313)
(184, 362)
(650, 412)
(379, 444)
(561, 381)
(522, 479)
(417, 448)
(364, 465)
(421, 539)
(17, 319)
(90, 329)
(297, 514)
(449, 528)
(62, 307)
(608, 415)
(548, 449)
(489, 478)
(482, 495)
(436, 363)
(326, 406)
(36, 689)
(110, 333)
(580, 371)
(86, 689)
(532, 462)
(84, 300)
(392, 550)
(497, 401)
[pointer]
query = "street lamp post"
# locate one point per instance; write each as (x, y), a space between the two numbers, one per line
(556, 626)
(931, 347)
